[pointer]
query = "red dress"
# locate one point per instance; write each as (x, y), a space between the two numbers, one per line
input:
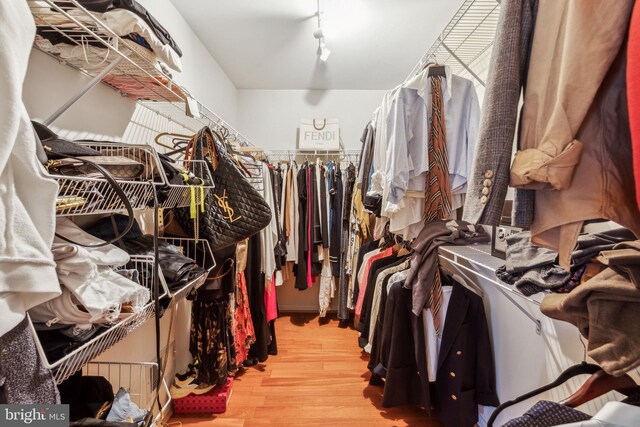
(244, 332)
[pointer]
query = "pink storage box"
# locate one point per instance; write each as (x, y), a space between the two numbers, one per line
(213, 402)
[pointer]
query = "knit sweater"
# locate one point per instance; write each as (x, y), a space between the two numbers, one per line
(27, 197)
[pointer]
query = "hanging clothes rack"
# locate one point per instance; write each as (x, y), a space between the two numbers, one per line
(301, 156)
(466, 40)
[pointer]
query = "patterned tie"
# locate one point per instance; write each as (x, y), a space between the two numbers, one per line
(438, 187)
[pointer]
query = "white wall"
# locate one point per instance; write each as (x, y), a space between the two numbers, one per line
(270, 118)
(49, 84)
(201, 74)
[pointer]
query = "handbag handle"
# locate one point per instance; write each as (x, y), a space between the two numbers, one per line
(220, 276)
(116, 188)
(206, 140)
(324, 124)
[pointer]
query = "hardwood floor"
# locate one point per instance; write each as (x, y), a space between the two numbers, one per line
(318, 378)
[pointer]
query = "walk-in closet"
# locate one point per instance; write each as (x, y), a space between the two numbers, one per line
(320, 213)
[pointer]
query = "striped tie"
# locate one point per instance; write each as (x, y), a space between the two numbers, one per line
(438, 187)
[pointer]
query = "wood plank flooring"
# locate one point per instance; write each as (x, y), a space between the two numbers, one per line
(318, 378)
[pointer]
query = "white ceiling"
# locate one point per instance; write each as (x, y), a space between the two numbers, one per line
(269, 44)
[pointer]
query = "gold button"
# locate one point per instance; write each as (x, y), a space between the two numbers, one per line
(485, 191)
(458, 353)
(484, 200)
(487, 183)
(453, 374)
(453, 396)
(488, 174)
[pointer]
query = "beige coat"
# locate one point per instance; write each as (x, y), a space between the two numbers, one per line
(606, 310)
(575, 142)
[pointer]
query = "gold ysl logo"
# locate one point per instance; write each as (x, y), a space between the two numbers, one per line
(223, 202)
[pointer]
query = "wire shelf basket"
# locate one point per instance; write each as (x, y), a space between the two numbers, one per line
(144, 265)
(66, 366)
(137, 378)
(83, 195)
(89, 45)
(199, 251)
(181, 195)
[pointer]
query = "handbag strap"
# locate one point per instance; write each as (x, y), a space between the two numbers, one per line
(220, 276)
(119, 192)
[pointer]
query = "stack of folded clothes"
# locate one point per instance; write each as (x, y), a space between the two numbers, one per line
(142, 36)
(534, 269)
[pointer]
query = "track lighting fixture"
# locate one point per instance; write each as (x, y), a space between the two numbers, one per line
(318, 34)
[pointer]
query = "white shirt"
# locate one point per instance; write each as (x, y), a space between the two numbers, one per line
(612, 414)
(432, 340)
(379, 159)
(408, 128)
(88, 273)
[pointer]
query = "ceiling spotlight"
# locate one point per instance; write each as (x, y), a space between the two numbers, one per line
(324, 53)
(318, 34)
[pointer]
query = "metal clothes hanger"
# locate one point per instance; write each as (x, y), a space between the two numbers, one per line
(175, 135)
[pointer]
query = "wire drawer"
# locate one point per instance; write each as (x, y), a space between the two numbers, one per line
(198, 250)
(79, 195)
(180, 195)
(139, 379)
(66, 366)
(136, 75)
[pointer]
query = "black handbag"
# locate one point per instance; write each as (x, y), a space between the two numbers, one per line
(233, 210)
(59, 148)
(69, 149)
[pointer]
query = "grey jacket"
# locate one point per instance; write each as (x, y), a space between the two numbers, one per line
(507, 76)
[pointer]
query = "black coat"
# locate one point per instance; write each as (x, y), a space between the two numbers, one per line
(397, 360)
(466, 372)
(302, 266)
